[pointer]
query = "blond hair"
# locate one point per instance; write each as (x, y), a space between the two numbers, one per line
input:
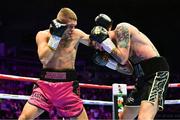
(66, 14)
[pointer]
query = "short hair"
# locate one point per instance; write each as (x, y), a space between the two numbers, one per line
(65, 14)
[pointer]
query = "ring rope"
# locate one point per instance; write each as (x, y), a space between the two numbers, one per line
(82, 85)
(87, 102)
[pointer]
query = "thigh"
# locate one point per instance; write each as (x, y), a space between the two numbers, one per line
(82, 116)
(130, 112)
(148, 110)
(30, 111)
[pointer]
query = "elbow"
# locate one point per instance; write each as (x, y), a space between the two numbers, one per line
(130, 71)
(124, 61)
(43, 60)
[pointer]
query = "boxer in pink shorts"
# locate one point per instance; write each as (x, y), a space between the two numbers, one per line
(66, 100)
(57, 48)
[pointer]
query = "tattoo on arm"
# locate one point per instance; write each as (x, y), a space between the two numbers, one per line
(123, 36)
(122, 40)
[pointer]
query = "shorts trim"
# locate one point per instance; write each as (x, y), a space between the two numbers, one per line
(158, 88)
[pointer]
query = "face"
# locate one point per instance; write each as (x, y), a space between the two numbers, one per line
(72, 23)
(68, 33)
(71, 26)
(66, 20)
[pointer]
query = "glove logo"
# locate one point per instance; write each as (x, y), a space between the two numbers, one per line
(57, 24)
(97, 30)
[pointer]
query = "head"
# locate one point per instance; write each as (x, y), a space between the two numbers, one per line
(104, 21)
(67, 16)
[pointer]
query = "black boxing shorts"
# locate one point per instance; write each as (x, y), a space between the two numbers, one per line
(152, 78)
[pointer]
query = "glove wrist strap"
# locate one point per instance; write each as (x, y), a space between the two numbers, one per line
(54, 42)
(112, 64)
(108, 45)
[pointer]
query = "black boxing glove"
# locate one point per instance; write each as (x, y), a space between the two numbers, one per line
(103, 20)
(56, 29)
(102, 58)
(100, 35)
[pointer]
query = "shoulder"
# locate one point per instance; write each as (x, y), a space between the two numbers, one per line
(124, 26)
(80, 32)
(44, 34)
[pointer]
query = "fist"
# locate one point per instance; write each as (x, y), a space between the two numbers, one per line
(57, 28)
(100, 58)
(99, 34)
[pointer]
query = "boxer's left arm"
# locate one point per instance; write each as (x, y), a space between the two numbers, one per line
(121, 52)
(100, 35)
(44, 52)
(126, 68)
(84, 39)
(102, 58)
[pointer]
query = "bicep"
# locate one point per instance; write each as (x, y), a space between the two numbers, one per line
(84, 38)
(123, 38)
(41, 41)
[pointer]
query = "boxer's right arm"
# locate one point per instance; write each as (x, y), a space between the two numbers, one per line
(101, 36)
(102, 58)
(57, 30)
(127, 68)
(45, 53)
(84, 39)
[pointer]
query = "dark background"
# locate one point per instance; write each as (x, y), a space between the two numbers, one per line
(20, 20)
(158, 19)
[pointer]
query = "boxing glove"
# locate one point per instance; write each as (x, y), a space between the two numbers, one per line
(100, 35)
(102, 58)
(103, 20)
(56, 29)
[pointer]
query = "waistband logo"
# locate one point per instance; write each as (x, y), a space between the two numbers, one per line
(55, 75)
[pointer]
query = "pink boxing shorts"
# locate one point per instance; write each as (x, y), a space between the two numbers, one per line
(59, 95)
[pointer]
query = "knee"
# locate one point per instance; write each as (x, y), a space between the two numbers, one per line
(145, 117)
(142, 117)
(23, 117)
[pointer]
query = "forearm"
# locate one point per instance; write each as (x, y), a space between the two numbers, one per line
(46, 55)
(118, 56)
(114, 51)
(125, 69)
(92, 43)
(103, 59)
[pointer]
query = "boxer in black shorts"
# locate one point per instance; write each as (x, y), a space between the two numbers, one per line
(129, 46)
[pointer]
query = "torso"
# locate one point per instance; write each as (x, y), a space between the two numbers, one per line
(65, 55)
(141, 48)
